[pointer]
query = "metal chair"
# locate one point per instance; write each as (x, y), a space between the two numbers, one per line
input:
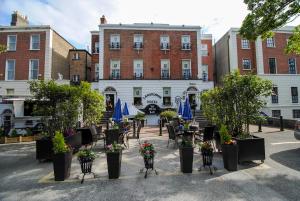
(172, 135)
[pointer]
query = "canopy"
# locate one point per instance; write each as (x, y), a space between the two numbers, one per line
(125, 110)
(187, 112)
(117, 115)
(179, 112)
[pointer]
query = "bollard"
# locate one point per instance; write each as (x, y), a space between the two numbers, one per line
(259, 126)
(134, 128)
(160, 127)
(281, 124)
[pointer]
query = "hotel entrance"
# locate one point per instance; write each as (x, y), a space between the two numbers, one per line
(110, 98)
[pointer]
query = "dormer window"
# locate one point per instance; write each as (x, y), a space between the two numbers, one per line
(164, 42)
(138, 41)
(185, 42)
(115, 41)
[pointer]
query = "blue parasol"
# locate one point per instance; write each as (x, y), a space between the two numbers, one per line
(187, 112)
(117, 116)
(125, 110)
(179, 112)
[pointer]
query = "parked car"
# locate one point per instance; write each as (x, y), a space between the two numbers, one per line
(297, 130)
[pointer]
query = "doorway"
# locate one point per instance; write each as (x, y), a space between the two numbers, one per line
(110, 102)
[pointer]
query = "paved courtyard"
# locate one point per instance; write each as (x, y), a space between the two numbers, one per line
(24, 178)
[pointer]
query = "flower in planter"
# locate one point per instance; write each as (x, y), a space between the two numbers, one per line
(186, 142)
(225, 136)
(114, 147)
(205, 146)
(86, 154)
(147, 150)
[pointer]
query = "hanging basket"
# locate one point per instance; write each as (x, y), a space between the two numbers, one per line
(149, 162)
(207, 157)
(86, 165)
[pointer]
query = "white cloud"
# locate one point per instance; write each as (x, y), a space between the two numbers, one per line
(74, 19)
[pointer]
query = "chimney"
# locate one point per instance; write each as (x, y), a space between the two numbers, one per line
(18, 20)
(103, 20)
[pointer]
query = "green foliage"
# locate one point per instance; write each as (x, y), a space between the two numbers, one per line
(293, 45)
(28, 132)
(113, 148)
(267, 15)
(237, 103)
(186, 142)
(86, 154)
(14, 133)
(59, 145)
(2, 48)
(1, 131)
(140, 116)
(93, 104)
(147, 150)
(224, 134)
(169, 114)
(60, 104)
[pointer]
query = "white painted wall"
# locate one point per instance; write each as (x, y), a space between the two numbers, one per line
(124, 89)
(284, 84)
(233, 58)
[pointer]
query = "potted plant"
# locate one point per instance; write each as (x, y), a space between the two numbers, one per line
(186, 153)
(140, 117)
(62, 158)
(114, 158)
(207, 153)
(229, 150)
(167, 116)
(147, 152)
(44, 147)
(86, 158)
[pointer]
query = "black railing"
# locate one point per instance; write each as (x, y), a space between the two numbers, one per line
(114, 77)
(164, 46)
(138, 76)
(138, 45)
(186, 46)
(115, 45)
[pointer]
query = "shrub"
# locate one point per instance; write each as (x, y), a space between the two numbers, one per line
(169, 114)
(113, 148)
(59, 145)
(140, 116)
(225, 136)
(86, 154)
(14, 133)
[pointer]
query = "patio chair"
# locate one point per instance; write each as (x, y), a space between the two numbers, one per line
(138, 131)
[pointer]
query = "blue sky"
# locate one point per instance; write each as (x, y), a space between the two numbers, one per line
(74, 19)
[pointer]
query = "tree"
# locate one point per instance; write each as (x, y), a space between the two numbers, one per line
(93, 104)
(238, 103)
(267, 15)
(2, 48)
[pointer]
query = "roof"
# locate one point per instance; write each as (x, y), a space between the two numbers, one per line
(150, 26)
(79, 50)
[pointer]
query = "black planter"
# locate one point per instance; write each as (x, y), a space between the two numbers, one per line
(114, 160)
(149, 163)
(217, 138)
(143, 122)
(250, 149)
(86, 165)
(44, 149)
(186, 159)
(230, 156)
(207, 157)
(62, 165)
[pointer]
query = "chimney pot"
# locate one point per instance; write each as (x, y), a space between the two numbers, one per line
(103, 20)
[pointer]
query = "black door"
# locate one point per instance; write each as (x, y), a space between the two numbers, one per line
(110, 99)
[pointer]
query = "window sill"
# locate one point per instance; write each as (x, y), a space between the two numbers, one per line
(246, 48)
(270, 47)
(114, 48)
(186, 49)
(247, 69)
(11, 50)
(95, 52)
(34, 49)
(165, 49)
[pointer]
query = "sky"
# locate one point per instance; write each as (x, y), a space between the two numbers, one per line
(74, 19)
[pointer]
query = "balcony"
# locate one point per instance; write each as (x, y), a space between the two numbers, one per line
(165, 75)
(204, 76)
(115, 76)
(164, 46)
(186, 46)
(115, 46)
(186, 75)
(138, 45)
(138, 76)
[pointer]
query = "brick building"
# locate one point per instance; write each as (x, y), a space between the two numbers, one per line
(33, 52)
(79, 65)
(268, 60)
(151, 64)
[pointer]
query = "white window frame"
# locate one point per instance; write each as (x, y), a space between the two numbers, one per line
(204, 49)
(96, 47)
(31, 41)
(243, 42)
(11, 90)
(183, 61)
(162, 42)
(6, 70)
(204, 71)
(189, 42)
(135, 67)
(76, 56)
(162, 62)
(30, 69)
(135, 37)
(295, 64)
(112, 62)
(275, 65)
(167, 96)
(268, 44)
(8, 42)
(112, 36)
(97, 71)
(250, 64)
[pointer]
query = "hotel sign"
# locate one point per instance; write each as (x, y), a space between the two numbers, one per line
(152, 109)
(152, 94)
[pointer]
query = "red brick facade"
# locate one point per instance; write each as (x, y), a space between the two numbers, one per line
(95, 56)
(23, 54)
(209, 59)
